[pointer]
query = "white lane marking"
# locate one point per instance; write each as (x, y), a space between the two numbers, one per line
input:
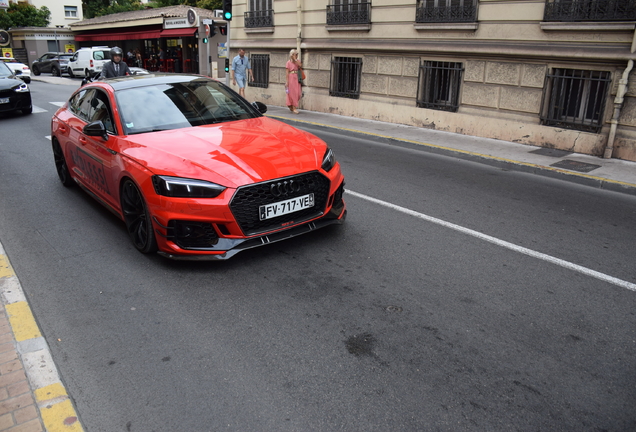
(59, 104)
(48, 137)
(37, 109)
(562, 263)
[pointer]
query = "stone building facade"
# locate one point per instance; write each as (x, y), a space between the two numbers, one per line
(550, 73)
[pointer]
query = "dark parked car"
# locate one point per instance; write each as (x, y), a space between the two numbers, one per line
(54, 63)
(14, 93)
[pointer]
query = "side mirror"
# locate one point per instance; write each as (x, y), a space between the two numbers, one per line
(96, 128)
(260, 107)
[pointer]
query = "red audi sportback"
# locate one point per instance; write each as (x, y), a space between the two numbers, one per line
(193, 169)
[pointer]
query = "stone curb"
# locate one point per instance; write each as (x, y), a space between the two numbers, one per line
(55, 406)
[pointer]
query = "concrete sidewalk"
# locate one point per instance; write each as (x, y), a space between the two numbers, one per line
(611, 174)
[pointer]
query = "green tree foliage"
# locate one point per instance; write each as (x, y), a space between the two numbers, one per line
(24, 15)
(203, 4)
(95, 8)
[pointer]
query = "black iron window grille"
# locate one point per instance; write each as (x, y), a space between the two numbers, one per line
(343, 12)
(439, 84)
(261, 14)
(260, 69)
(575, 99)
(346, 73)
(446, 11)
(589, 10)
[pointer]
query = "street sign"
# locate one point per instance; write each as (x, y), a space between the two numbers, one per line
(207, 21)
(207, 30)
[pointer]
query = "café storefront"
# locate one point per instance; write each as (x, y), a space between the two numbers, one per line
(165, 39)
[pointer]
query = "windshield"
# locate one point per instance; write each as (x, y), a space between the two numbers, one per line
(4, 70)
(179, 105)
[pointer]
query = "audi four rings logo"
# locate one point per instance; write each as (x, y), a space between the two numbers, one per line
(284, 188)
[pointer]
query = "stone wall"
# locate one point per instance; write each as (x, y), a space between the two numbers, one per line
(498, 99)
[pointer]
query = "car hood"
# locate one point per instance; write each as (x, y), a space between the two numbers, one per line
(7, 83)
(231, 154)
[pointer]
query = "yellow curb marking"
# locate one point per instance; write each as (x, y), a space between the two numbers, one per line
(22, 321)
(5, 268)
(50, 392)
(61, 417)
(562, 171)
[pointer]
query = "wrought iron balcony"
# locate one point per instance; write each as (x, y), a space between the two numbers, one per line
(351, 13)
(452, 12)
(259, 18)
(589, 10)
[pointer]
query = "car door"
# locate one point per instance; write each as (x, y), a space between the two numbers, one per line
(45, 63)
(92, 158)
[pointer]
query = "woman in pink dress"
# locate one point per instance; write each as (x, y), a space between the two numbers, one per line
(292, 85)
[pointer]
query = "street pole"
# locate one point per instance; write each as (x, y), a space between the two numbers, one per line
(227, 50)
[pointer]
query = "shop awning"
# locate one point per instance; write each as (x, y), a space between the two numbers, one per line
(117, 36)
(178, 32)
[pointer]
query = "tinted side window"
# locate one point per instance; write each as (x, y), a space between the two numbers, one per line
(100, 110)
(84, 105)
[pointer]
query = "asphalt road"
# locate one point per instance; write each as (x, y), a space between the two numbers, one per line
(389, 322)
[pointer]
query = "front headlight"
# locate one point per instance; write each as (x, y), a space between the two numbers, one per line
(22, 88)
(178, 187)
(328, 160)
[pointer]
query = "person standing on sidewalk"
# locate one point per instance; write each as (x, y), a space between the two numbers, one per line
(292, 83)
(241, 65)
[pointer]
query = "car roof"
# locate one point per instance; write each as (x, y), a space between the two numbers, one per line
(135, 81)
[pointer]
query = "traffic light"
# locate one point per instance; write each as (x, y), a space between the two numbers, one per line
(227, 10)
(205, 40)
(227, 65)
(223, 30)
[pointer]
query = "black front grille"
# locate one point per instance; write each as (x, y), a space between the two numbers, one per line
(6, 93)
(247, 200)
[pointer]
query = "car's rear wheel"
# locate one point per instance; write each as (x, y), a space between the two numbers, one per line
(137, 218)
(36, 70)
(55, 71)
(27, 80)
(60, 165)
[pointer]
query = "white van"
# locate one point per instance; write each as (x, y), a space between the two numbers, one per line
(88, 61)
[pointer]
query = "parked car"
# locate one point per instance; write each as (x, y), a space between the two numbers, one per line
(14, 93)
(87, 62)
(193, 169)
(21, 70)
(52, 62)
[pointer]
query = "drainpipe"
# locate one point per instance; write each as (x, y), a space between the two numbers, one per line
(618, 103)
(300, 27)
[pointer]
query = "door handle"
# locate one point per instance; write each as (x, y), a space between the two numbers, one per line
(83, 141)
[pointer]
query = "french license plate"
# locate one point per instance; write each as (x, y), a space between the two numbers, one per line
(285, 207)
(4, 100)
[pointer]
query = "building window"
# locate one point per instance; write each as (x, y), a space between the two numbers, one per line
(438, 86)
(260, 68)
(575, 99)
(346, 73)
(343, 12)
(261, 14)
(70, 11)
(446, 11)
(589, 10)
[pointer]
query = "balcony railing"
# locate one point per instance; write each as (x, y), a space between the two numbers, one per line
(352, 13)
(590, 10)
(259, 18)
(455, 12)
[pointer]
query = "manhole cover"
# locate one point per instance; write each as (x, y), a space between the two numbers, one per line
(575, 166)
(551, 152)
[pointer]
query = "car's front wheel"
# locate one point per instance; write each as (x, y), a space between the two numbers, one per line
(137, 218)
(55, 71)
(60, 165)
